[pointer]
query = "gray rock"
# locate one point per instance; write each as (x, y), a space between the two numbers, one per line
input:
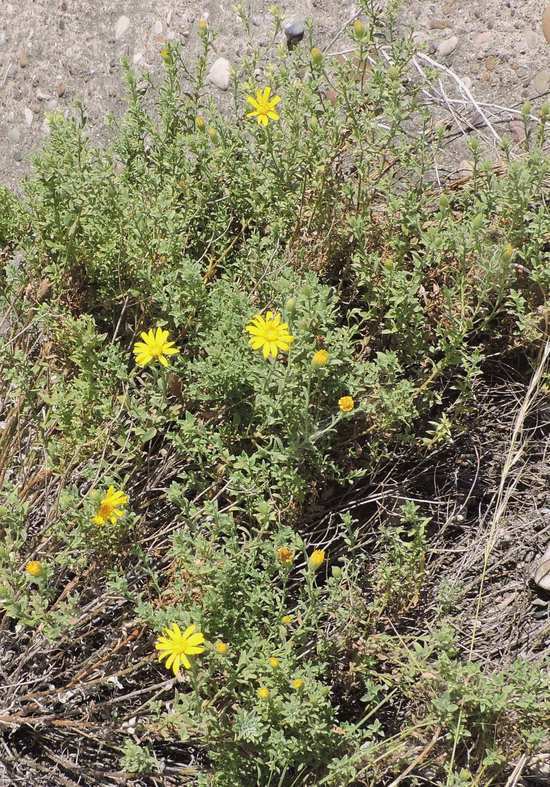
(546, 23)
(541, 82)
(14, 135)
(220, 73)
(540, 572)
(3, 38)
(439, 24)
(18, 155)
(294, 30)
(121, 27)
(447, 47)
(28, 116)
(482, 40)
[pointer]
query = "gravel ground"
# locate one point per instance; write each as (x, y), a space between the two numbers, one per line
(55, 52)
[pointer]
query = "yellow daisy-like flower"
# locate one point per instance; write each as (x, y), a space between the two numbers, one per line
(176, 647)
(269, 334)
(110, 508)
(263, 107)
(274, 662)
(346, 404)
(320, 358)
(286, 620)
(263, 693)
(316, 559)
(285, 556)
(34, 568)
(155, 346)
(221, 648)
(297, 683)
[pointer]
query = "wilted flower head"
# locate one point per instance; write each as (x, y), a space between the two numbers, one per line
(285, 556)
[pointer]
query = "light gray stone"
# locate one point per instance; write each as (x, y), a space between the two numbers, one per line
(121, 27)
(447, 47)
(294, 29)
(541, 82)
(220, 73)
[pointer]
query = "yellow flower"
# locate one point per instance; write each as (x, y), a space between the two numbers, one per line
(269, 334)
(316, 559)
(221, 648)
(176, 647)
(297, 683)
(320, 358)
(285, 556)
(274, 662)
(263, 107)
(154, 347)
(346, 404)
(200, 123)
(34, 568)
(263, 693)
(110, 507)
(286, 620)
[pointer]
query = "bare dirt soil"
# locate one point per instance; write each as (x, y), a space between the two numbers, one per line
(54, 53)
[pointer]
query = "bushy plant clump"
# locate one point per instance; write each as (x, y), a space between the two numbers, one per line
(178, 471)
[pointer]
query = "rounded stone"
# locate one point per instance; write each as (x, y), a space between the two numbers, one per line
(447, 47)
(482, 40)
(541, 82)
(546, 23)
(294, 29)
(14, 135)
(121, 27)
(220, 73)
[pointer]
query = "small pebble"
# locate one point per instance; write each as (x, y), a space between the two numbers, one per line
(546, 23)
(482, 40)
(157, 28)
(23, 58)
(60, 89)
(14, 135)
(18, 155)
(28, 116)
(294, 30)
(220, 73)
(122, 25)
(3, 38)
(541, 82)
(517, 130)
(447, 47)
